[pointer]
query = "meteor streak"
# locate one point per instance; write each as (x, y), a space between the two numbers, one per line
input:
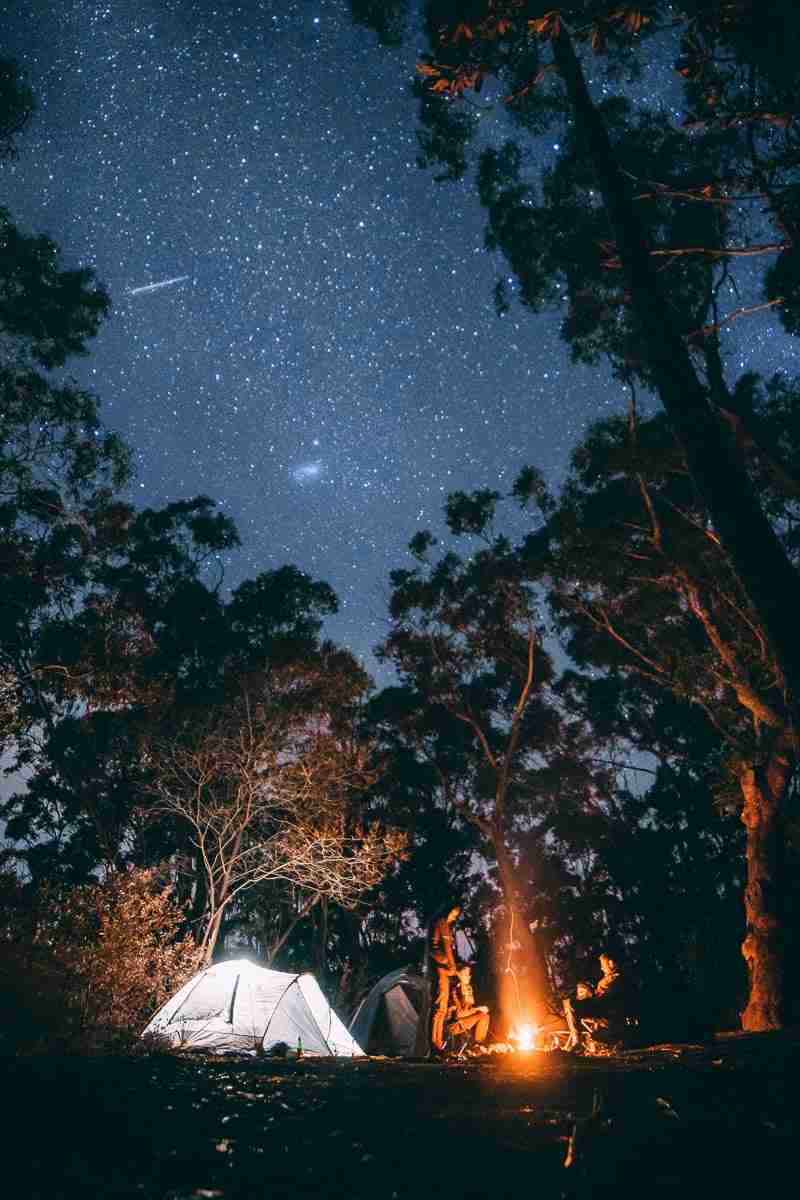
(156, 287)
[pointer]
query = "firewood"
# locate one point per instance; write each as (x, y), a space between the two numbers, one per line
(584, 1126)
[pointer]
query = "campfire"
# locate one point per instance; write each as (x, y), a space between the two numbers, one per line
(525, 1038)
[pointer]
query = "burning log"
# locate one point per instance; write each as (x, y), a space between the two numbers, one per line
(529, 1037)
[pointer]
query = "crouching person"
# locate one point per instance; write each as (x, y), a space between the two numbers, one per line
(604, 1007)
(466, 1015)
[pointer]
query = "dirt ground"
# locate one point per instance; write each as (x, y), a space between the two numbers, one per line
(689, 1121)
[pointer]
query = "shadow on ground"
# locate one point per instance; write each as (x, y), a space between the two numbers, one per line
(711, 1121)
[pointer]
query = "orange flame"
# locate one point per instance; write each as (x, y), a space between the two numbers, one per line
(526, 1037)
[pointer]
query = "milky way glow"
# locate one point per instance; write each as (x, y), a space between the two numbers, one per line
(345, 295)
(308, 471)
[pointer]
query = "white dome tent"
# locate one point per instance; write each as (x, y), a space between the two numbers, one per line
(237, 1005)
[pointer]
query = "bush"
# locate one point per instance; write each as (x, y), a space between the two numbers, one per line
(82, 970)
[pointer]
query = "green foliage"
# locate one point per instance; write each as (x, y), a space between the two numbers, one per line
(279, 614)
(83, 970)
(640, 225)
(387, 18)
(515, 222)
(471, 514)
(642, 586)
(782, 284)
(502, 305)
(555, 238)
(474, 720)
(530, 488)
(420, 544)
(145, 644)
(49, 313)
(60, 470)
(16, 106)
(51, 440)
(742, 73)
(444, 134)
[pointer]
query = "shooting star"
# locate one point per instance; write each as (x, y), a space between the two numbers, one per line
(156, 287)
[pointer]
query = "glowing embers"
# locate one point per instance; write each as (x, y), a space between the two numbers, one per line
(526, 1038)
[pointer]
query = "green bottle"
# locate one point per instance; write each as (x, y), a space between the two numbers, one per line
(299, 1046)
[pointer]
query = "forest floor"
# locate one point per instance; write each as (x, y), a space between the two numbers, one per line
(721, 1120)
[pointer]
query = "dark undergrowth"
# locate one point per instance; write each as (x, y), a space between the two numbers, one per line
(688, 1121)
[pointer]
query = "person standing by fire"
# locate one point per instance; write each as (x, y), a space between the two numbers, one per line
(443, 970)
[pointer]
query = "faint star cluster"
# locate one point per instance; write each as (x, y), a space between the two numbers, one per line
(303, 323)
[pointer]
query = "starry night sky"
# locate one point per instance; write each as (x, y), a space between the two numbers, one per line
(331, 366)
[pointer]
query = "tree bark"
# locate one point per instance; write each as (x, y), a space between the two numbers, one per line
(763, 791)
(756, 554)
(523, 977)
(209, 942)
(281, 941)
(321, 941)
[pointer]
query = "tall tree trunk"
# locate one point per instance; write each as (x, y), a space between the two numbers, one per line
(355, 971)
(755, 552)
(191, 888)
(321, 941)
(523, 977)
(282, 939)
(211, 935)
(218, 889)
(763, 791)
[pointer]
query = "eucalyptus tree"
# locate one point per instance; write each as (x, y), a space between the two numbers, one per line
(104, 618)
(114, 629)
(642, 223)
(442, 845)
(644, 589)
(265, 779)
(476, 705)
(60, 469)
(61, 480)
(657, 860)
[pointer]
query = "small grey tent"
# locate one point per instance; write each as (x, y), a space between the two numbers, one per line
(237, 1005)
(392, 1017)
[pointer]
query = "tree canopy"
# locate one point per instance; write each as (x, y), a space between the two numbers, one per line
(633, 192)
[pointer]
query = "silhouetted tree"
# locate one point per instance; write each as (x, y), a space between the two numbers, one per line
(478, 708)
(528, 59)
(265, 780)
(644, 587)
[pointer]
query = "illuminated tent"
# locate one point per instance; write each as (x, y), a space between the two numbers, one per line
(238, 1006)
(392, 1017)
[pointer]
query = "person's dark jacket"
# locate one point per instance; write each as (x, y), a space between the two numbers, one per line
(610, 1000)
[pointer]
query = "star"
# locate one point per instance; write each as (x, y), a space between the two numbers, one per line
(332, 269)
